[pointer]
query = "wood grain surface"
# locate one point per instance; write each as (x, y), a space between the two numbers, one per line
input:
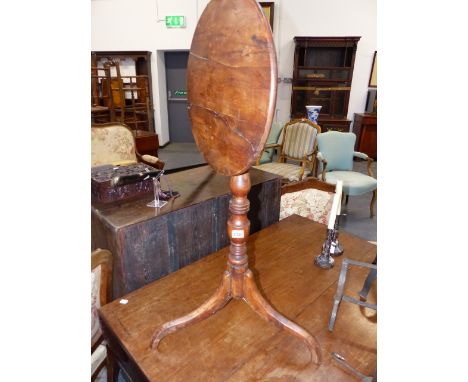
(236, 344)
(231, 84)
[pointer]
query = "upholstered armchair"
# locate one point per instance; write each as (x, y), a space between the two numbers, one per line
(335, 155)
(114, 143)
(310, 198)
(298, 144)
(271, 143)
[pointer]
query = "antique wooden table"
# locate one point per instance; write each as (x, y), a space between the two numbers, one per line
(236, 344)
(147, 244)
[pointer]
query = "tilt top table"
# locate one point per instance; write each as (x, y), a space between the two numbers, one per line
(236, 344)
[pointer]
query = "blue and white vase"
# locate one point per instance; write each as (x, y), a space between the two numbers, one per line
(313, 113)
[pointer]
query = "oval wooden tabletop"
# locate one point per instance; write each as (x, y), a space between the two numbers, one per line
(231, 84)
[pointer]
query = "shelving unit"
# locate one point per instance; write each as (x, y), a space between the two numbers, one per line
(125, 98)
(323, 73)
(135, 91)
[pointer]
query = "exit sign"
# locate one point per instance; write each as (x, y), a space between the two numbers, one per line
(175, 21)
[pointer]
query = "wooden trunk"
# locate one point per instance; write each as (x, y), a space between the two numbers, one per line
(147, 244)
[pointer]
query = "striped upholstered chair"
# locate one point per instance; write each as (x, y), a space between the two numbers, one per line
(298, 145)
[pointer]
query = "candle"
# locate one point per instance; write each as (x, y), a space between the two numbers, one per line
(336, 201)
(339, 185)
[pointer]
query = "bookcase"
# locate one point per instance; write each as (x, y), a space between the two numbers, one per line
(137, 92)
(323, 73)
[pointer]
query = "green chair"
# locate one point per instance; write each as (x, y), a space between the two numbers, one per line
(336, 153)
(273, 137)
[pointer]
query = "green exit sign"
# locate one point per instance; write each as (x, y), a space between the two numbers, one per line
(175, 21)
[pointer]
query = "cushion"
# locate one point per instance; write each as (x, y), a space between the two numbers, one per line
(354, 183)
(338, 149)
(310, 203)
(299, 140)
(112, 144)
(286, 170)
(95, 300)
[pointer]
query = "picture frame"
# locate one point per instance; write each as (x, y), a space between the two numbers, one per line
(373, 75)
(268, 8)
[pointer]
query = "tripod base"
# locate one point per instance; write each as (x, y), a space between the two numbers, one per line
(239, 285)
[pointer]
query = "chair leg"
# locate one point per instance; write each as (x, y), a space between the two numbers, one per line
(347, 199)
(372, 203)
(339, 294)
(367, 284)
(112, 367)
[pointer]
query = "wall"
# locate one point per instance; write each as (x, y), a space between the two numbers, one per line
(139, 25)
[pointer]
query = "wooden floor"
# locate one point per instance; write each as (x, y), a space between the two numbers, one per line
(237, 345)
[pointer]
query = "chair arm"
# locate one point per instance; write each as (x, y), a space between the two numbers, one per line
(369, 161)
(151, 161)
(324, 163)
(266, 147)
(360, 155)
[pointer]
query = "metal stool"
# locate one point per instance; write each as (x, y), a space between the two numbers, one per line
(363, 293)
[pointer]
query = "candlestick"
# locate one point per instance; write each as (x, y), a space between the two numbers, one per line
(324, 260)
(335, 248)
(336, 201)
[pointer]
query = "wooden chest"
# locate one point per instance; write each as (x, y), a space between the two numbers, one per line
(116, 183)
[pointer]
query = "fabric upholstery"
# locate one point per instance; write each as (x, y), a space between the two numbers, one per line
(357, 154)
(299, 140)
(310, 203)
(150, 158)
(113, 144)
(338, 149)
(273, 137)
(286, 170)
(354, 183)
(95, 300)
(98, 357)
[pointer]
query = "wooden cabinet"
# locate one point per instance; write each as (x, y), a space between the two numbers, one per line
(365, 128)
(323, 73)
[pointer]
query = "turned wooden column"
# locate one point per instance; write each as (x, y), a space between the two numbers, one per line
(238, 231)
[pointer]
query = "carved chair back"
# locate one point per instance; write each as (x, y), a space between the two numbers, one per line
(310, 198)
(299, 140)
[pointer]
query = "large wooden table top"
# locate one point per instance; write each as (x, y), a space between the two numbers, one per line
(236, 344)
(194, 185)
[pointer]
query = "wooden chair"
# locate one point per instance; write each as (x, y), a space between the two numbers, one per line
(310, 198)
(298, 145)
(101, 294)
(126, 97)
(102, 106)
(114, 143)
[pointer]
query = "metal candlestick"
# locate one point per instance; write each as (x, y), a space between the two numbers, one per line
(335, 248)
(324, 260)
(157, 203)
